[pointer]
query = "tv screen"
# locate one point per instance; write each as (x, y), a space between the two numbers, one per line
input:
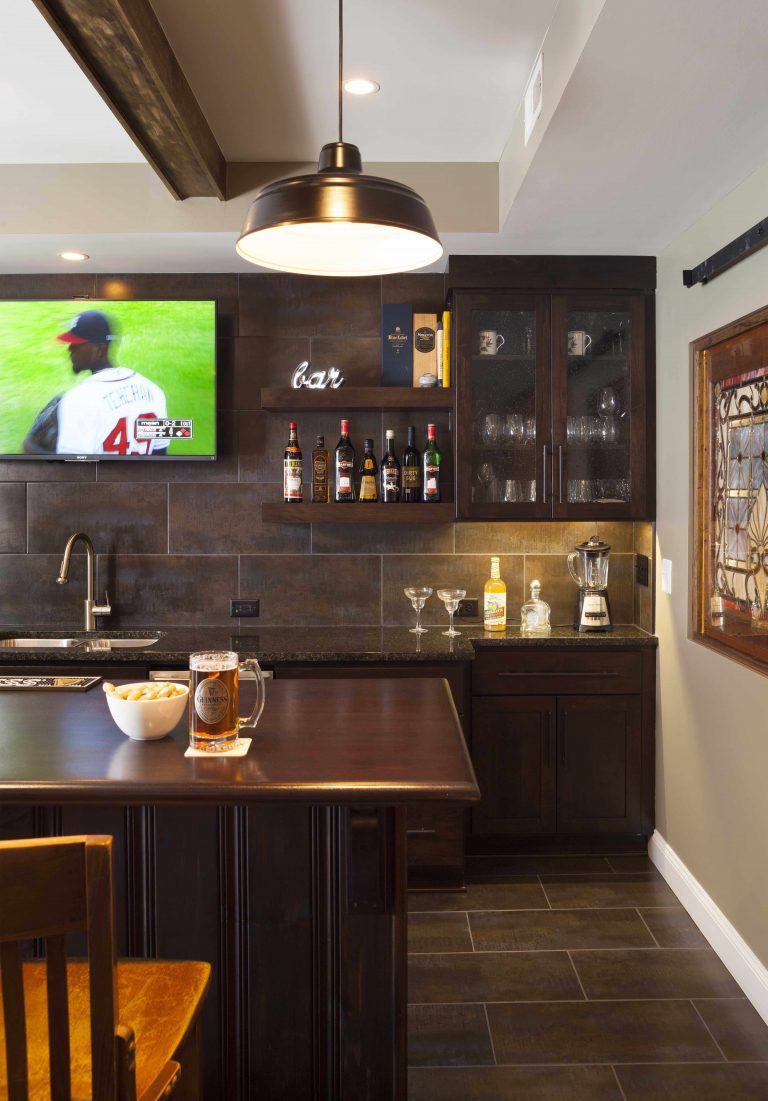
(108, 380)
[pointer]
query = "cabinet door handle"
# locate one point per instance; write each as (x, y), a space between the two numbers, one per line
(544, 482)
(563, 741)
(560, 472)
(421, 833)
(547, 739)
(574, 673)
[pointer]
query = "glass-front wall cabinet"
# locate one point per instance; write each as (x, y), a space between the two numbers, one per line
(551, 406)
(503, 412)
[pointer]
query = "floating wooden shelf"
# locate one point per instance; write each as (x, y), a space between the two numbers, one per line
(286, 399)
(358, 513)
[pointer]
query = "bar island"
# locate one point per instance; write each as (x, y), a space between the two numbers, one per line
(285, 869)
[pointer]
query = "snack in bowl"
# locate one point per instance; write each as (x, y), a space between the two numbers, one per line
(146, 710)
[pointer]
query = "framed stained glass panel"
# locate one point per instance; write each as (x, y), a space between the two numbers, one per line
(729, 585)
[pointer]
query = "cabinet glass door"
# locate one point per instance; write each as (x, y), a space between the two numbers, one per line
(502, 422)
(598, 404)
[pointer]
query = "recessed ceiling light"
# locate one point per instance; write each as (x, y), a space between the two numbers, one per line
(361, 86)
(76, 257)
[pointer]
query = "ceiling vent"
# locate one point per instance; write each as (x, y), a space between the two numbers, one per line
(533, 97)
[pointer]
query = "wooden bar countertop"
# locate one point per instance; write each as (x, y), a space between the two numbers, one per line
(331, 741)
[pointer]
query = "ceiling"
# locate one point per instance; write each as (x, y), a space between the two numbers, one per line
(49, 111)
(664, 112)
(452, 73)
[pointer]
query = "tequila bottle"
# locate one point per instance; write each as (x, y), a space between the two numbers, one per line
(534, 614)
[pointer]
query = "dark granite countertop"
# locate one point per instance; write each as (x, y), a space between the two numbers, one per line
(275, 645)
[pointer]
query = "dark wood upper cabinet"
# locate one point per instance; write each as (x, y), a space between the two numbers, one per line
(555, 405)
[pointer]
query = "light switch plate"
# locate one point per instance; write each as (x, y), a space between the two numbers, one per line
(666, 575)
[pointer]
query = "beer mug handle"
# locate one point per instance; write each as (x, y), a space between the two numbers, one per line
(250, 721)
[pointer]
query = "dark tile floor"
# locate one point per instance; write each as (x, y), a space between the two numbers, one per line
(566, 978)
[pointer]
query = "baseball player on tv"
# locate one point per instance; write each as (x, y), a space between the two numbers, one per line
(97, 416)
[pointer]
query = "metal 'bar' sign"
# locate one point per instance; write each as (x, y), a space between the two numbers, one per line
(726, 257)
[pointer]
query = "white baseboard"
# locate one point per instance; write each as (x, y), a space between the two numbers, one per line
(730, 946)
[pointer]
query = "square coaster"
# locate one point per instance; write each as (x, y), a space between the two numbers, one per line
(239, 749)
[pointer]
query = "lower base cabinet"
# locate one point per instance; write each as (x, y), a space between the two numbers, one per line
(575, 759)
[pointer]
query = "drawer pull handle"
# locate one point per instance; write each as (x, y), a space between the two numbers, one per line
(421, 833)
(590, 673)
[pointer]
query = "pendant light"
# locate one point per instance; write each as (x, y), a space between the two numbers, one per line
(339, 221)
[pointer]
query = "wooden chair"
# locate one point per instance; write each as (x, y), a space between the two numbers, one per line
(59, 1031)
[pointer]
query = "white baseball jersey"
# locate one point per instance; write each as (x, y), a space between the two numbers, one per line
(98, 416)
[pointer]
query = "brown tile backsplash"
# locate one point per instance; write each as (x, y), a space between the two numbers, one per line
(177, 540)
(120, 519)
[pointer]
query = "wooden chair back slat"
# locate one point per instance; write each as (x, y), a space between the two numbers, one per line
(15, 1021)
(58, 1017)
(102, 960)
(42, 887)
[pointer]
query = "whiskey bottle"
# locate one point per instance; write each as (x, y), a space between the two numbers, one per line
(495, 600)
(431, 467)
(390, 472)
(293, 465)
(320, 479)
(345, 466)
(411, 470)
(369, 472)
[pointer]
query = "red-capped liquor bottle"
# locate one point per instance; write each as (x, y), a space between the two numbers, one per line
(293, 466)
(345, 466)
(431, 467)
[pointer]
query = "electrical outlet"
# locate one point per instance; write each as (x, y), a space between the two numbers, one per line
(468, 608)
(642, 565)
(244, 609)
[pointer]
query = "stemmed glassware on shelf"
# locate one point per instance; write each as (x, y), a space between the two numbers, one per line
(451, 598)
(418, 597)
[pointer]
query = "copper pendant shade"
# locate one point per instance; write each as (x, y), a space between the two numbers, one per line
(339, 221)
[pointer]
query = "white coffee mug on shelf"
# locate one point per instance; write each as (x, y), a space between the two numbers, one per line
(490, 342)
(579, 342)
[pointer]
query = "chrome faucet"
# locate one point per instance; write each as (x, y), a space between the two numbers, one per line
(92, 609)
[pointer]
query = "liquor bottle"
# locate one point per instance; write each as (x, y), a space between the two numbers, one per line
(293, 466)
(411, 471)
(369, 472)
(495, 600)
(431, 467)
(345, 466)
(390, 472)
(534, 614)
(320, 479)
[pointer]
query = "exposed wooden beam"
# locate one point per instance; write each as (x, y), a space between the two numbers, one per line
(123, 50)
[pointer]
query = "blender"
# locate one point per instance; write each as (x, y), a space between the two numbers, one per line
(593, 612)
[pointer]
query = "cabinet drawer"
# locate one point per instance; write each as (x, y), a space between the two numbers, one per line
(549, 672)
(435, 835)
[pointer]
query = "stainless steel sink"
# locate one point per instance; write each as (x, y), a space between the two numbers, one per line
(72, 643)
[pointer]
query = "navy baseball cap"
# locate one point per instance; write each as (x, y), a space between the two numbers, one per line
(89, 327)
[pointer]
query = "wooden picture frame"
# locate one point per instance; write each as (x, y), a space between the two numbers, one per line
(729, 490)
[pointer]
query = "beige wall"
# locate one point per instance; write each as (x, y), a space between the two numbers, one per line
(712, 789)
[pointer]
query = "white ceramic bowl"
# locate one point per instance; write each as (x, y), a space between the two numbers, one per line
(146, 720)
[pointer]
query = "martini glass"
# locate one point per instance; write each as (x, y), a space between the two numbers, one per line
(418, 598)
(451, 598)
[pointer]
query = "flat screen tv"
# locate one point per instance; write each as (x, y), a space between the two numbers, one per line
(108, 380)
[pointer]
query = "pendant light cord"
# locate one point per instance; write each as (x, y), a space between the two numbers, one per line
(341, 61)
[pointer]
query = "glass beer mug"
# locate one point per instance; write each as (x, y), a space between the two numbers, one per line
(214, 722)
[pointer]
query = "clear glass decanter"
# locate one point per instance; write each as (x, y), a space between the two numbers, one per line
(534, 614)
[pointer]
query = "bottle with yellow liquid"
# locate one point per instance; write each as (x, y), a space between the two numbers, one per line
(495, 600)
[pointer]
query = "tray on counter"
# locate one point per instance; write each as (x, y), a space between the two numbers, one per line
(47, 684)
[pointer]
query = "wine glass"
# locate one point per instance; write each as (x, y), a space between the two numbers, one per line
(451, 599)
(608, 402)
(492, 429)
(418, 598)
